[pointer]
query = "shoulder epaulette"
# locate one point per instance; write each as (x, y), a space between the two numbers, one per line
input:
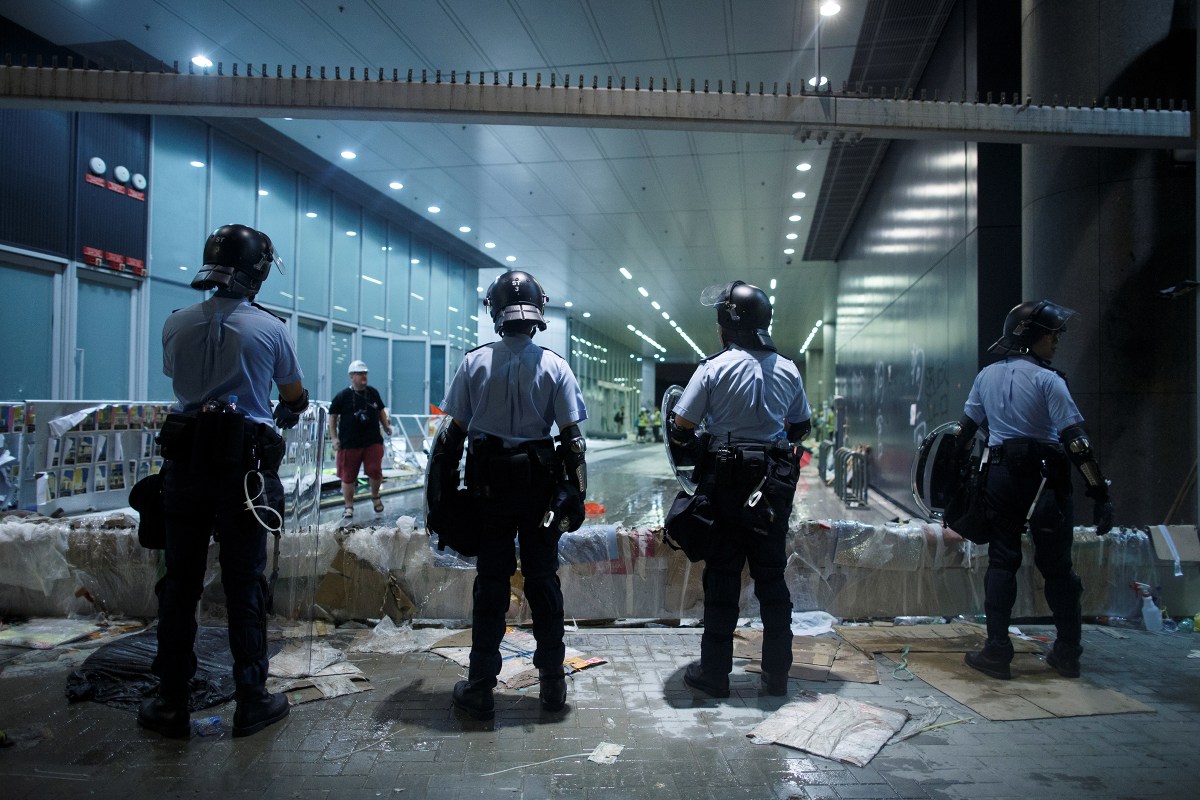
(548, 350)
(714, 355)
(269, 311)
(478, 347)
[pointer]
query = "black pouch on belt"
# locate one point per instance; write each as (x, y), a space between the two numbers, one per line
(176, 436)
(219, 442)
(508, 473)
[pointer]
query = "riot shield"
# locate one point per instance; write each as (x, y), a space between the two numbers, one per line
(682, 463)
(941, 469)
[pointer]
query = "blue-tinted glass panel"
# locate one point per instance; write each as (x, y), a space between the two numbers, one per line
(437, 372)
(25, 370)
(439, 295)
(102, 331)
(234, 183)
(342, 345)
(418, 292)
(308, 350)
(397, 279)
(408, 378)
(178, 228)
(277, 219)
(374, 272)
(165, 297)
(312, 254)
(347, 233)
(375, 353)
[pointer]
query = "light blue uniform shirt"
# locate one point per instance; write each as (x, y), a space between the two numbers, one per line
(515, 390)
(1017, 398)
(745, 395)
(224, 346)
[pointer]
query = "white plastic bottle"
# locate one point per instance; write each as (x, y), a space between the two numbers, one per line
(1151, 616)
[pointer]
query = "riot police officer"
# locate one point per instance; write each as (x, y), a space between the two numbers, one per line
(221, 454)
(753, 404)
(1034, 433)
(503, 401)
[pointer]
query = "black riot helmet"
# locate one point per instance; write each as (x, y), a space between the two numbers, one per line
(236, 258)
(1028, 322)
(515, 300)
(744, 310)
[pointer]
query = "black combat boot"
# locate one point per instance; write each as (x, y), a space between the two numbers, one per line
(1064, 659)
(553, 688)
(475, 698)
(992, 660)
(713, 685)
(167, 713)
(256, 709)
(774, 685)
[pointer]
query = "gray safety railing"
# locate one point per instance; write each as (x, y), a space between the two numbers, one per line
(850, 477)
(825, 460)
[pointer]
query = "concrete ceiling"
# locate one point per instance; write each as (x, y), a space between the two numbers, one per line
(678, 209)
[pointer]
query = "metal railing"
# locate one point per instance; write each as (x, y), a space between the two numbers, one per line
(850, 477)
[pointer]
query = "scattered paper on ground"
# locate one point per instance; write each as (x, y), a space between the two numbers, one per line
(516, 652)
(45, 633)
(304, 630)
(1035, 691)
(301, 659)
(334, 681)
(606, 753)
(831, 727)
(812, 623)
(392, 639)
(957, 637)
(813, 659)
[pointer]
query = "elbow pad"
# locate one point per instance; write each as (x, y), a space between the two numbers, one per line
(798, 430)
(571, 449)
(1079, 450)
(683, 442)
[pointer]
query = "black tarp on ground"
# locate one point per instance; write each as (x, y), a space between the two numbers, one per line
(118, 674)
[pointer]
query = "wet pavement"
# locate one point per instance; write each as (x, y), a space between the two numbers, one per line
(403, 740)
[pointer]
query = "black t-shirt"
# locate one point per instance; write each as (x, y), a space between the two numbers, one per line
(358, 416)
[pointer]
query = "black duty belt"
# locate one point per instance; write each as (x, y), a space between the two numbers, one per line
(1020, 451)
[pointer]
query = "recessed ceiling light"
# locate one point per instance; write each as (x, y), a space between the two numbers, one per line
(182, 267)
(434, 209)
(349, 154)
(771, 299)
(196, 163)
(642, 291)
(263, 193)
(569, 304)
(510, 258)
(813, 81)
(655, 304)
(772, 283)
(793, 235)
(829, 8)
(587, 313)
(794, 218)
(804, 166)
(798, 195)
(489, 245)
(311, 214)
(352, 233)
(464, 228)
(204, 62)
(395, 185)
(787, 252)
(414, 261)
(665, 315)
(625, 272)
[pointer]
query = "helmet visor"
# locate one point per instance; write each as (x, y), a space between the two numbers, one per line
(715, 294)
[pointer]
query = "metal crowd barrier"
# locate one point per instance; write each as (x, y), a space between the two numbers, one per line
(850, 477)
(825, 460)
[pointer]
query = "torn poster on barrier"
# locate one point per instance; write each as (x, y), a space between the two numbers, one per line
(831, 727)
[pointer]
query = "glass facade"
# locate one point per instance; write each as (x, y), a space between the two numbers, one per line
(610, 377)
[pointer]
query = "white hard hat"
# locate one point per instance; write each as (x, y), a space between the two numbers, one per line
(358, 366)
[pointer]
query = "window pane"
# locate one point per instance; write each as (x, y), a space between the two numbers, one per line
(277, 219)
(418, 294)
(308, 350)
(347, 230)
(234, 183)
(25, 370)
(312, 254)
(408, 378)
(342, 343)
(398, 267)
(374, 272)
(375, 353)
(176, 247)
(439, 295)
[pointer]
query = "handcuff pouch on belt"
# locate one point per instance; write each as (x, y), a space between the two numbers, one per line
(497, 472)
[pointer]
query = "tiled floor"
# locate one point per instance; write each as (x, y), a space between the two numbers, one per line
(402, 740)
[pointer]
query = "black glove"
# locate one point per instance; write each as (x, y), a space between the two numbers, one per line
(1102, 510)
(566, 505)
(284, 417)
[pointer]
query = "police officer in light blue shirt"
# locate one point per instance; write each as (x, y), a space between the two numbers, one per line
(753, 404)
(1035, 432)
(504, 400)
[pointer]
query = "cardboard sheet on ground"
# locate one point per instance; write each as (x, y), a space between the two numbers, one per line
(46, 633)
(1035, 691)
(813, 659)
(956, 637)
(831, 727)
(516, 650)
(333, 681)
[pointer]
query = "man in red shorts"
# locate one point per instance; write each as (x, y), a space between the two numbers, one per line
(355, 416)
